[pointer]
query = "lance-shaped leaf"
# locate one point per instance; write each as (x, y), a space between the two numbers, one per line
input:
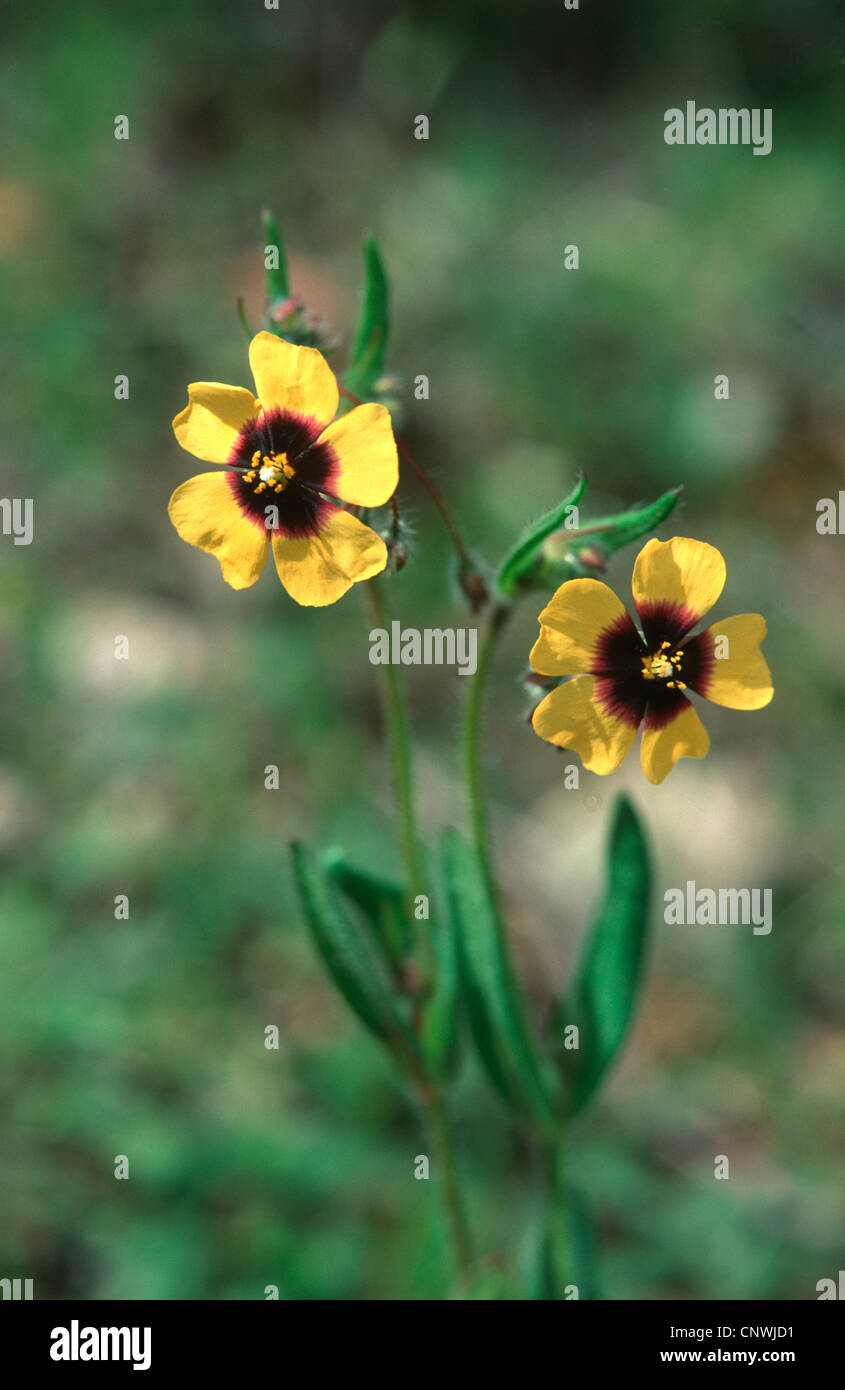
(608, 977)
(366, 360)
(276, 280)
(351, 962)
(518, 569)
(380, 901)
(492, 997)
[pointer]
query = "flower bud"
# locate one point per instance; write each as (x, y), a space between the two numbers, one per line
(397, 555)
(534, 681)
(284, 311)
(474, 587)
(593, 557)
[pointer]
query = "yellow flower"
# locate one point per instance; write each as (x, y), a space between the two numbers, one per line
(625, 677)
(285, 467)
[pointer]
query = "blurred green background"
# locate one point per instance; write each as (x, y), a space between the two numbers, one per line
(145, 777)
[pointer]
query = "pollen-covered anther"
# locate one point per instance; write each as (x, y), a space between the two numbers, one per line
(663, 665)
(272, 470)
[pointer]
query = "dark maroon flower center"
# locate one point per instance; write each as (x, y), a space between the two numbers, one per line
(645, 677)
(282, 473)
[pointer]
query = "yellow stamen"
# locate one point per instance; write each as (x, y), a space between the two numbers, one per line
(273, 470)
(661, 666)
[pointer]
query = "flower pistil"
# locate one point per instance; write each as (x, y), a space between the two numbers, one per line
(272, 470)
(663, 664)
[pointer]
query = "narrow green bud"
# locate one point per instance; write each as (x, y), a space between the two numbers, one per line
(367, 354)
(629, 526)
(583, 551)
(275, 260)
(520, 568)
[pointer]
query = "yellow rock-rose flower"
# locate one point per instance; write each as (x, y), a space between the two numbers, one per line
(624, 677)
(285, 468)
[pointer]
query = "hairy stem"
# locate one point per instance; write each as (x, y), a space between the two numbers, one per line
(558, 1253)
(430, 1096)
(446, 1175)
(472, 727)
(430, 486)
(439, 501)
(399, 737)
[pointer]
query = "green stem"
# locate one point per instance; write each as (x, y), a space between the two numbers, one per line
(473, 721)
(430, 486)
(446, 1173)
(431, 1098)
(558, 1251)
(399, 736)
(556, 1236)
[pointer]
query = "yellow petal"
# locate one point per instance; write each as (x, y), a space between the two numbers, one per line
(295, 378)
(570, 626)
(209, 424)
(319, 569)
(366, 451)
(685, 737)
(205, 514)
(740, 679)
(683, 572)
(570, 718)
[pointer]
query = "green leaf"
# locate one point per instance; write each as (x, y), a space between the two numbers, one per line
(370, 343)
(380, 901)
(517, 570)
(492, 997)
(629, 526)
(276, 280)
(608, 977)
(351, 962)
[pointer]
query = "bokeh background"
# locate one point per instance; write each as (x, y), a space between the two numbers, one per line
(146, 777)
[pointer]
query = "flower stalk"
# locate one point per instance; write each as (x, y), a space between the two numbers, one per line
(471, 739)
(429, 1091)
(437, 1120)
(402, 761)
(297, 476)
